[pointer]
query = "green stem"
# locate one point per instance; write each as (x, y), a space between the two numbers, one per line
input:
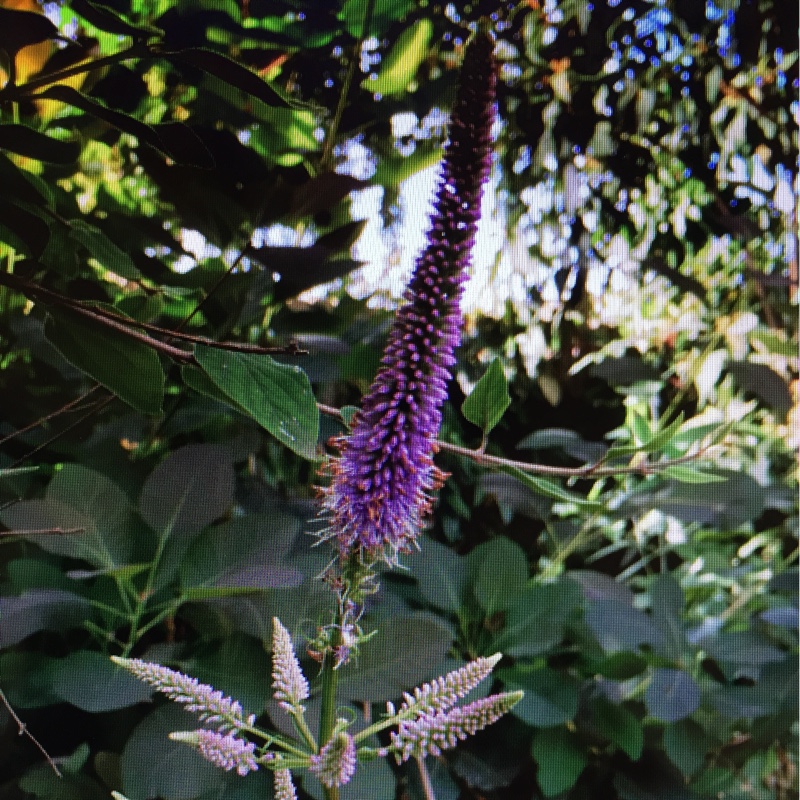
(330, 679)
(142, 599)
(330, 138)
(305, 731)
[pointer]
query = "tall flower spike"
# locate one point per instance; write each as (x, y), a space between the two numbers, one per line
(432, 733)
(212, 706)
(382, 483)
(289, 684)
(443, 693)
(222, 750)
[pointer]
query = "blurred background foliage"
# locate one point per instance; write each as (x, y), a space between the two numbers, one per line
(178, 174)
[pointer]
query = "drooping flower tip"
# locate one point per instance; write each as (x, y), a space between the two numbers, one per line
(288, 682)
(211, 705)
(223, 750)
(382, 483)
(429, 734)
(335, 763)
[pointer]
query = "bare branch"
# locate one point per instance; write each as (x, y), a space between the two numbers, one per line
(22, 730)
(596, 470)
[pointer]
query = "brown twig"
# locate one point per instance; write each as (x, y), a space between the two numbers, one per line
(22, 730)
(95, 409)
(73, 405)
(128, 327)
(43, 532)
(596, 470)
(28, 288)
(292, 349)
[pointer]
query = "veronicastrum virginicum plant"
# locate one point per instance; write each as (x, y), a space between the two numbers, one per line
(374, 508)
(428, 720)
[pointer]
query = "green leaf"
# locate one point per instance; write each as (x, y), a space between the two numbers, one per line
(103, 249)
(173, 139)
(619, 626)
(30, 143)
(640, 428)
(87, 502)
(106, 20)
(190, 489)
(400, 66)
(666, 607)
(550, 488)
(348, 414)
(621, 666)
(29, 232)
(566, 440)
(40, 609)
(91, 682)
(385, 670)
(236, 667)
(384, 13)
(442, 576)
(232, 73)
(182, 774)
(247, 552)
(488, 401)
(551, 697)
(664, 436)
(620, 726)
(686, 745)
(20, 29)
(393, 170)
(672, 695)
(196, 379)
(684, 474)
(500, 571)
(560, 760)
(128, 368)
(277, 396)
(536, 619)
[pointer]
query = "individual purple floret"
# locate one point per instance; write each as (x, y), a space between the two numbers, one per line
(382, 484)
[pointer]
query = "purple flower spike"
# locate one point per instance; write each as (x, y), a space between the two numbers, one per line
(382, 484)
(335, 764)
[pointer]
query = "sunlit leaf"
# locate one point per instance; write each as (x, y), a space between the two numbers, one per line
(277, 396)
(488, 401)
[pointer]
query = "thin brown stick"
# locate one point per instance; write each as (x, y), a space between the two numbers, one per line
(596, 470)
(43, 532)
(28, 288)
(22, 730)
(292, 349)
(95, 409)
(73, 405)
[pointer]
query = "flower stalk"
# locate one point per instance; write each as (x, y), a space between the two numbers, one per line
(383, 481)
